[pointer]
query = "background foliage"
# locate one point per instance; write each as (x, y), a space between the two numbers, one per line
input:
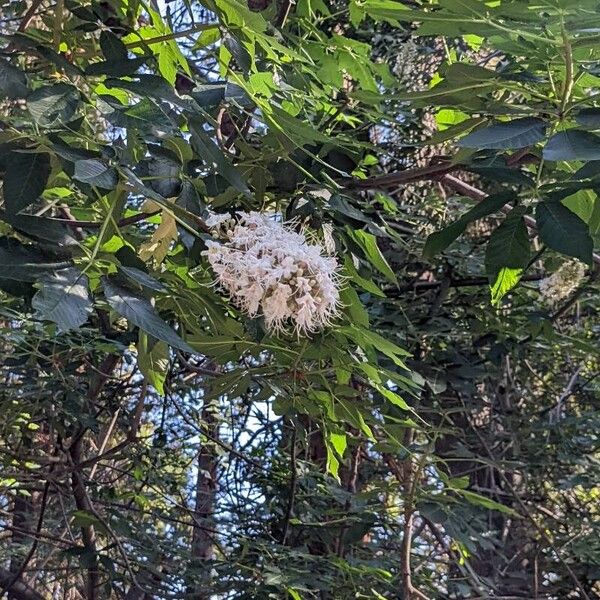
(440, 440)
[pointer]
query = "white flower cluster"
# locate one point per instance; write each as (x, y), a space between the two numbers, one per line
(563, 281)
(269, 269)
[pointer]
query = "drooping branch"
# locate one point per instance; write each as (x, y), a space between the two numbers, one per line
(392, 180)
(441, 172)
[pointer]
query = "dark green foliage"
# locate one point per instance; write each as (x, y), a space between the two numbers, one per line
(156, 441)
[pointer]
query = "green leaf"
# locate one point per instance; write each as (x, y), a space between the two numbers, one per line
(573, 144)
(148, 85)
(54, 104)
(189, 200)
(365, 284)
(95, 172)
(24, 263)
(138, 311)
(588, 170)
(507, 254)
(117, 68)
(64, 298)
(509, 244)
(394, 398)
(368, 339)
(13, 82)
(505, 136)
(496, 170)
(353, 306)
(153, 361)
(582, 203)
(214, 157)
(562, 230)
(209, 94)
(454, 131)
(41, 228)
(25, 179)
(589, 117)
(112, 47)
(142, 278)
(339, 442)
(488, 503)
(143, 116)
(505, 280)
(368, 243)
(594, 222)
(84, 518)
(440, 240)
(332, 465)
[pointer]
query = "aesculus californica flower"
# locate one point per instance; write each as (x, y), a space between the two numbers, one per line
(565, 280)
(271, 270)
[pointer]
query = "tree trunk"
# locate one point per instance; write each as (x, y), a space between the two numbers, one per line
(203, 547)
(23, 519)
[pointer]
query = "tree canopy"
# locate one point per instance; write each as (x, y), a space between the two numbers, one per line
(299, 299)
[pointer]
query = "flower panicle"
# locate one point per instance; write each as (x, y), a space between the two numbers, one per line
(268, 268)
(563, 282)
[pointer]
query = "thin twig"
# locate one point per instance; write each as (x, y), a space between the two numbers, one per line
(34, 545)
(131, 220)
(293, 484)
(541, 530)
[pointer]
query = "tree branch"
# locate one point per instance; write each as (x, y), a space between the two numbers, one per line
(293, 484)
(440, 172)
(19, 590)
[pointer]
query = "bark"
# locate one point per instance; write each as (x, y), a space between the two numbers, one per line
(18, 590)
(23, 519)
(87, 533)
(98, 380)
(203, 547)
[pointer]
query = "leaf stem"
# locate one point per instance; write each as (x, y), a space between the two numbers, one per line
(569, 79)
(99, 240)
(171, 36)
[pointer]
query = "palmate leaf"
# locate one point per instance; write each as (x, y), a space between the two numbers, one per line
(189, 200)
(25, 179)
(116, 68)
(353, 306)
(139, 312)
(562, 230)
(507, 254)
(440, 240)
(573, 144)
(505, 280)
(142, 278)
(13, 82)
(112, 47)
(148, 85)
(368, 243)
(24, 263)
(97, 173)
(53, 104)
(484, 501)
(144, 116)
(41, 228)
(589, 117)
(64, 298)
(505, 136)
(153, 361)
(208, 150)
